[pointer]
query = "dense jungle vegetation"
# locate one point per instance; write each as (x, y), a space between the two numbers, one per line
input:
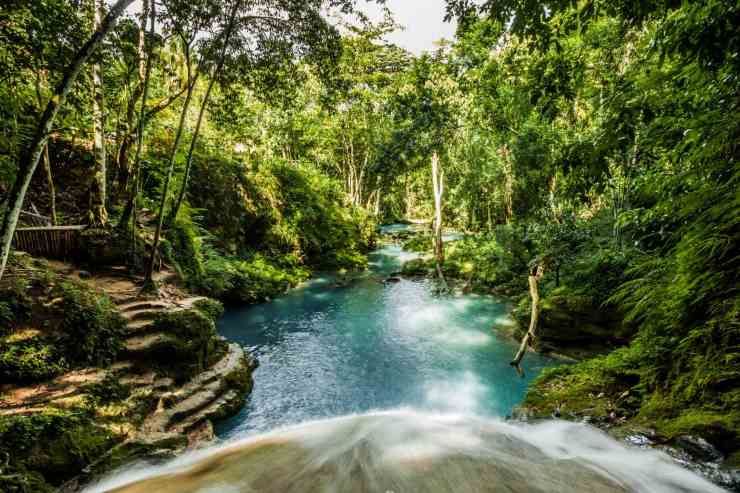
(249, 143)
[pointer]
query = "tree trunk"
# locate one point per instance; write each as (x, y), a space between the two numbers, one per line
(529, 338)
(201, 112)
(47, 161)
(98, 214)
(31, 156)
(438, 184)
(378, 192)
(124, 165)
(407, 191)
(130, 207)
(508, 194)
(50, 182)
(170, 169)
(189, 163)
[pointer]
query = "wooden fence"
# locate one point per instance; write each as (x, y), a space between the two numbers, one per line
(58, 242)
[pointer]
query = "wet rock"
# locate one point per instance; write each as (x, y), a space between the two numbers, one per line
(83, 274)
(728, 478)
(638, 440)
(392, 280)
(201, 435)
(569, 321)
(699, 449)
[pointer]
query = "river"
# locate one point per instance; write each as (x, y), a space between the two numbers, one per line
(367, 385)
(334, 347)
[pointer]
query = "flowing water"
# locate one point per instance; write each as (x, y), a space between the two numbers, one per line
(335, 347)
(372, 385)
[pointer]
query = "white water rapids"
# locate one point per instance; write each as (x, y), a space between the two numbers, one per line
(404, 451)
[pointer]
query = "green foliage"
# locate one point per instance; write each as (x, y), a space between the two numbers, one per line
(191, 344)
(30, 361)
(91, 327)
(249, 281)
(183, 246)
(212, 308)
(15, 304)
(422, 243)
(45, 449)
(80, 328)
(596, 138)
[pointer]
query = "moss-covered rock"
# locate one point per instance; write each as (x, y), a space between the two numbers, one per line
(570, 322)
(58, 325)
(191, 344)
(212, 308)
(101, 247)
(610, 391)
(153, 447)
(46, 449)
(90, 324)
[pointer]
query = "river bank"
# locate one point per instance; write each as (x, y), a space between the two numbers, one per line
(101, 376)
(385, 336)
(574, 328)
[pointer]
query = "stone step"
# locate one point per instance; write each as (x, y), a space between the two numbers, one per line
(199, 396)
(142, 314)
(135, 305)
(138, 345)
(194, 403)
(123, 297)
(140, 327)
(223, 405)
(231, 361)
(165, 418)
(186, 303)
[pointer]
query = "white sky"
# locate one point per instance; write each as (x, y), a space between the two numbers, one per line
(423, 21)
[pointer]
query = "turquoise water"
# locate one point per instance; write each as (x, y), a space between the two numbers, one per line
(412, 385)
(338, 346)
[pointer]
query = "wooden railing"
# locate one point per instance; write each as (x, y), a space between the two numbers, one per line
(48, 241)
(35, 219)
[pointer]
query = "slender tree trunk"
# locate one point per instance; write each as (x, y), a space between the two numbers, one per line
(529, 338)
(50, 182)
(98, 214)
(191, 151)
(438, 184)
(407, 192)
(170, 169)
(124, 165)
(47, 161)
(32, 155)
(130, 208)
(508, 185)
(201, 113)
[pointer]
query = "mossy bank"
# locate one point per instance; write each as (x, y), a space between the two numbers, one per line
(89, 377)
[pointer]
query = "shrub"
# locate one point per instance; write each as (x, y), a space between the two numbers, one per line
(30, 361)
(212, 308)
(15, 303)
(48, 448)
(91, 327)
(248, 281)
